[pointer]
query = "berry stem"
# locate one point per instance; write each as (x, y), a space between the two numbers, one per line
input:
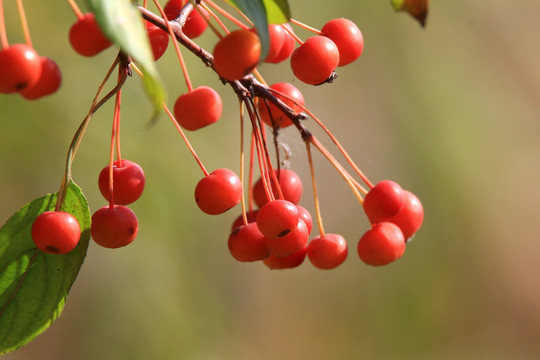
(24, 23)
(295, 37)
(217, 19)
(115, 139)
(315, 194)
(176, 48)
(3, 35)
(242, 167)
(250, 180)
(304, 26)
(75, 9)
(223, 12)
(186, 141)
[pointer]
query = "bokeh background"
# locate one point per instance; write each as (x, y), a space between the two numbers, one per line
(451, 112)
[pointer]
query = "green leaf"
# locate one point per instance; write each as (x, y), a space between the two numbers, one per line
(34, 285)
(121, 22)
(278, 11)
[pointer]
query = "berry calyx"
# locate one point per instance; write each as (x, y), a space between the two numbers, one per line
(198, 108)
(291, 242)
(246, 243)
(383, 201)
(218, 192)
(56, 232)
(159, 40)
(20, 68)
(382, 244)
(289, 183)
(277, 218)
(48, 83)
(114, 227)
(237, 54)
(410, 217)
(285, 262)
(128, 182)
(314, 61)
(270, 113)
(86, 36)
(347, 37)
(328, 251)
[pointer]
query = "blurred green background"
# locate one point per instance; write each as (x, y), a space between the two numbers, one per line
(451, 112)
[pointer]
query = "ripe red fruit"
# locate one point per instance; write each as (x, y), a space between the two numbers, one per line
(290, 243)
(159, 40)
(347, 37)
(328, 251)
(305, 216)
(246, 243)
(218, 192)
(49, 80)
(382, 244)
(383, 201)
(286, 49)
(410, 217)
(250, 215)
(237, 54)
(275, 115)
(56, 232)
(314, 61)
(289, 182)
(114, 227)
(196, 22)
(20, 68)
(86, 37)
(128, 182)
(286, 262)
(277, 218)
(198, 108)
(277, 38)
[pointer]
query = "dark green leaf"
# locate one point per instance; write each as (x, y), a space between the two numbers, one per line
(121, 22)
(34, 285)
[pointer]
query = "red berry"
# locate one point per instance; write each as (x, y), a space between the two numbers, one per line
(246, 243)
(196, 22)
(275, 115)
(277, 218)
(159, 40)
(277, 38)
(382, 244)
(20, 68)
(286, 262)
(290, 243)
(289, 182)
(49, 81)
(410, 217)
(347, 37)
(328, 251)
(305, 216)
(314, 61)
(218, 192)
(114, 227)
(383, 201)
(56, 232)
(198, 108)
(128, 182)
(237, 54)
(286, 49)
(250, 215)
(86, 37)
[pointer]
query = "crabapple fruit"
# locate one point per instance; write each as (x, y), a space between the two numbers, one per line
(218, 191)
(237, 54)
(314, 61)
(114, 227)
(328, 251)
(20, 68)
(56, 232)
(382, 244)
(128, 182)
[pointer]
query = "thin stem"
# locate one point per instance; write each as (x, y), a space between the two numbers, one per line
(24, 23)
(75, 9)
(223, 12)
(186, 141)
(250, 180)
(314, 186)
(176, 48)
(3, 34)
(242, 167)
(295, 37)
(217, 19)
(77, 138)
(304, 26)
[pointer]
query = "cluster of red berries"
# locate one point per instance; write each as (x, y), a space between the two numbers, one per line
(278, 231)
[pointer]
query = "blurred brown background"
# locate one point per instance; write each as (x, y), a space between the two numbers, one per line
(451, 112)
